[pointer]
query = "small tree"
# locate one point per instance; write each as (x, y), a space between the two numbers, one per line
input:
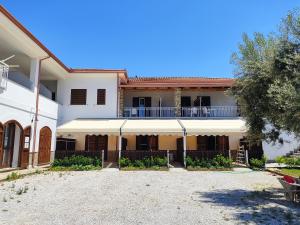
(268, 80)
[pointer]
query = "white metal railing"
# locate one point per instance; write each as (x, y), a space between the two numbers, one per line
(210, 111)
(196, 112)
(149, 112)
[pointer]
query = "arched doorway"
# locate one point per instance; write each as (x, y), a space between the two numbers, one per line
(11, 144)
(44, 145)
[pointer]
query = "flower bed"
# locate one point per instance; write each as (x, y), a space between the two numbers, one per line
(78, 163)
(218, 163)
(147, 163)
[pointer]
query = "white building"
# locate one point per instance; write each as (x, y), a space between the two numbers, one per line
(43, 102)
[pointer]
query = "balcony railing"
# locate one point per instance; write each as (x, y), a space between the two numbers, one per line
(169, 112)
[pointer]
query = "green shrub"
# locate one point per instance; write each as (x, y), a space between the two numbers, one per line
(289, 161)
(218, 161)
(125, 162)
(76, 163)
(258, 163)
(13, 176)
(145, 162)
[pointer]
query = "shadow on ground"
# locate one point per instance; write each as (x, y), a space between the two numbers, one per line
(267, 206)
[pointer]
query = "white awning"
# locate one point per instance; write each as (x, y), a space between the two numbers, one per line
(214, 127)
(92, 126)
(152, 127)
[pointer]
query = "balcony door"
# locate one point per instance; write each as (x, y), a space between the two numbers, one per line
(142, 105)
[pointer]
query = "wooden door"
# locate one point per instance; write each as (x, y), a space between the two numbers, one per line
(8, 145)
(179, 142)
(25, 145)
(44, 145)
(153, 142)
(102, 145)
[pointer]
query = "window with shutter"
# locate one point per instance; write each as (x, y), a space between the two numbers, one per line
(78, 96)
(101, 93)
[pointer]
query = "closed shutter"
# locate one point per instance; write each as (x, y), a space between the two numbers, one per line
(135, 102)
(202, 144)
(101, 95)
(153, 142)
(147, 101)
(205, 101)
(78, 96)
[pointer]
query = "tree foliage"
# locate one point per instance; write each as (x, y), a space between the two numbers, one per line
(268, 80)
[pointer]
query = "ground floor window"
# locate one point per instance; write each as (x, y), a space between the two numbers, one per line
(212, 143)
(146, 142)
(96, 142)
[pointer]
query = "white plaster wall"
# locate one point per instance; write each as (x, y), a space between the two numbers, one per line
(91, 82)
(217, 98)
(273, 150)
(18, 103)
(168, 97)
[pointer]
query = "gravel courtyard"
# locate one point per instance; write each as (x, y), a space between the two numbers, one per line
(148, 197)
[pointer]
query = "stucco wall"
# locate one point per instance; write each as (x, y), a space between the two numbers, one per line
(91, 82)
(167, 97)
(217, 98)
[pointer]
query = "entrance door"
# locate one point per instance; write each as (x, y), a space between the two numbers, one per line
(142, 107)
(44, 145)
(102, 145)
(24, 161)
(185, 106)
(180, 150)
(8, 145)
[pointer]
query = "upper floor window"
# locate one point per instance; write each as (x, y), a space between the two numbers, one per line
(101, 95)
(78, 96)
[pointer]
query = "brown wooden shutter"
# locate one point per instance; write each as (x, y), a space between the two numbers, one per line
(101, 95)
(202, 143)
(78, 96)
(153, 142)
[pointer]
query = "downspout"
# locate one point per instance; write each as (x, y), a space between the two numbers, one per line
(118, 94)
(36, 110)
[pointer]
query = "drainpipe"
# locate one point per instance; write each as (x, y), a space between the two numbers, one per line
(36, 109)
(118, 95)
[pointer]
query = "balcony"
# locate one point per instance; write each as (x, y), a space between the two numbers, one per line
(189, 112)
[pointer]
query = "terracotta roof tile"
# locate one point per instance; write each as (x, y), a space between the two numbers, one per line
(178, 82)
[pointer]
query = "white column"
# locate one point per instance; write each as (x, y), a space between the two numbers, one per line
(120, 147)
(184, 149)
(34, 71)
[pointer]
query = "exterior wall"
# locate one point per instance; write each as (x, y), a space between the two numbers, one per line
(217, 98)
(18, 103)
(191, 143)
(80, 141)
(273, 150)
(167, 97)
(167, 142)
(91, 82)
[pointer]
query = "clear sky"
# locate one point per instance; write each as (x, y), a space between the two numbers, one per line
(149, 37)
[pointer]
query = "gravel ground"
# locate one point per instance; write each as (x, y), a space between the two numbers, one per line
(148, 197)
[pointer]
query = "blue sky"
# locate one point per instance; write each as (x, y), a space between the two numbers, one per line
(149, 37)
